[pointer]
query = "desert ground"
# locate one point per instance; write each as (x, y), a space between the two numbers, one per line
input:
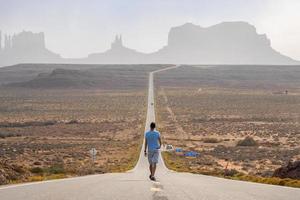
(48, 124)
(241, 123)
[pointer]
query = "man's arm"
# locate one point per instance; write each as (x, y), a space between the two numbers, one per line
(146, 144)
(159, 140)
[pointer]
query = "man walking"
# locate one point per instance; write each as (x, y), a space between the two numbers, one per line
(153, 142)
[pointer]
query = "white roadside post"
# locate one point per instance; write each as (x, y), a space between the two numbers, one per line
(93, 153)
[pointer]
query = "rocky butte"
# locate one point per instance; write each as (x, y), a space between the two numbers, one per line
(26, 47)
(224, 43)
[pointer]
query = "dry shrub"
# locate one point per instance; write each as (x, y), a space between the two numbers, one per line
(269, 180)
(4, 135)
(210, 140)
(247, 141)
(230, 172)
(37, 170)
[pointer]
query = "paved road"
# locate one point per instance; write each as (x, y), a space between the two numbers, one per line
(134, 185)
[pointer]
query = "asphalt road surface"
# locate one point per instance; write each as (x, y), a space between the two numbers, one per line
(135, 184)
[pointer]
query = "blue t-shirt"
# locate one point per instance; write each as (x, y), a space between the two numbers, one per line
(152, 140)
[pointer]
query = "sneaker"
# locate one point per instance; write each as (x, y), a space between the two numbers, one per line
(153, 178)
(150, 177)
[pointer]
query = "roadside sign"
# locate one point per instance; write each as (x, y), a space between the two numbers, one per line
(93, 153)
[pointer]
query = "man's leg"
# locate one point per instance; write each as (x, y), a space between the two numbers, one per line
(155, 161)
(150, 162)
(153, 169)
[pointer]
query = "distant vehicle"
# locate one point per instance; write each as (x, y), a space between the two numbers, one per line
(191, 154)
(178, 150)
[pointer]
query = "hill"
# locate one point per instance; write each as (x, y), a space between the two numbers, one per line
(60, 78)
(66, 76)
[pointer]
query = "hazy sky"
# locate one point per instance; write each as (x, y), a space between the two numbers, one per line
(75, 28)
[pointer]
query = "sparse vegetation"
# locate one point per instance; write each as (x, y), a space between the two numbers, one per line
(50, 132)
(240, 129)
(37, 170)
(56, 169)
(180, 164)
(268, 180)
(4, 135)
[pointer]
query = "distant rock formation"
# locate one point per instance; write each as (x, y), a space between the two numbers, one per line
(0, 42)
(224, 43)
(117, 54)
(118, 43)
(292, 170)
(26, 47)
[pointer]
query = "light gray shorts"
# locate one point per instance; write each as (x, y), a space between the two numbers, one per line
(153, 156)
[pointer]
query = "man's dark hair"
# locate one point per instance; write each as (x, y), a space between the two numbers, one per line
(152, 125)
